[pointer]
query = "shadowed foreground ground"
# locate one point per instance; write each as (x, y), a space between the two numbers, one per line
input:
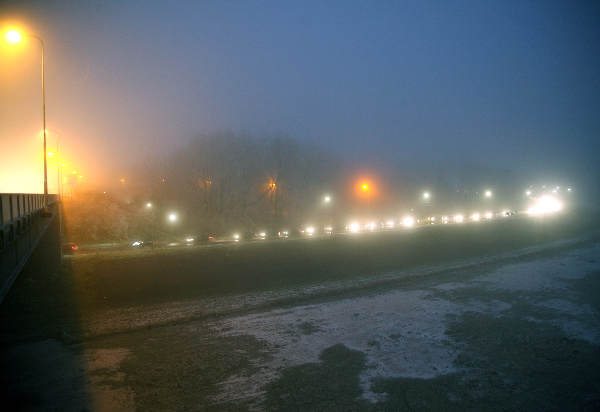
(503, 316)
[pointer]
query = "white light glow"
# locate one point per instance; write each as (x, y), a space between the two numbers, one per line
(488, 193)
(354, 227)
(475, 217)
(172, 217)
(458, 218)
(489, 215)
(444, 220)
(13, 36)
(545, 205)
(310, 231)
(189, 239)
(408, 221)
(390, 224)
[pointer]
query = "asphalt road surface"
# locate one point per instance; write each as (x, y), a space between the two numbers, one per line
(500, 315)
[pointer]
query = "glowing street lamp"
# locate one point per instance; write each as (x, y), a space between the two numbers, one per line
(172, 217)
(148, 205)
(488, 194)
(14, 37)
(327, 199)
(426, 196)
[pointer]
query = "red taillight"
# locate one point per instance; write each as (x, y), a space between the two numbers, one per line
(74, 247)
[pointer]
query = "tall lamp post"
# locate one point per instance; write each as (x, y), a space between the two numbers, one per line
(13, 36)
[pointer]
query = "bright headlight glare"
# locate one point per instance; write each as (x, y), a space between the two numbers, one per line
(408, 221)
(545, 205)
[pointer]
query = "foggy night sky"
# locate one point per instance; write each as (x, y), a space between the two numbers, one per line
(508, 83)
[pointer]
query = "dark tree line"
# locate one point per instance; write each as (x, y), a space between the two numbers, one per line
(225, 181)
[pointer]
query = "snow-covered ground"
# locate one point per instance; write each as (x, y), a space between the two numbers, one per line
(403, 332)
(128, 318)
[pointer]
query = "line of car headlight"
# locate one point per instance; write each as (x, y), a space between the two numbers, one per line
(541, 206)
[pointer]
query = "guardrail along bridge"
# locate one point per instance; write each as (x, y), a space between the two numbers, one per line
(23, 224)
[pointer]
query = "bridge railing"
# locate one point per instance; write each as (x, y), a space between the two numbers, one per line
(21, 225)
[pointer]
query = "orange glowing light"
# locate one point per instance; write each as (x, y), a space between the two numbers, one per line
(365, 188)
(122, 180)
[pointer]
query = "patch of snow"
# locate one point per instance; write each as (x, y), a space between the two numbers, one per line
(545, 274)
(401, 333)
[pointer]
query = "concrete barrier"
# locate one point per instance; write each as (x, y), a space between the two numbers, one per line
(22, 224)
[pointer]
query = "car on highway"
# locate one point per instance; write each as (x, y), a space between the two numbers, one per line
(137, 244)
(69, 248)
